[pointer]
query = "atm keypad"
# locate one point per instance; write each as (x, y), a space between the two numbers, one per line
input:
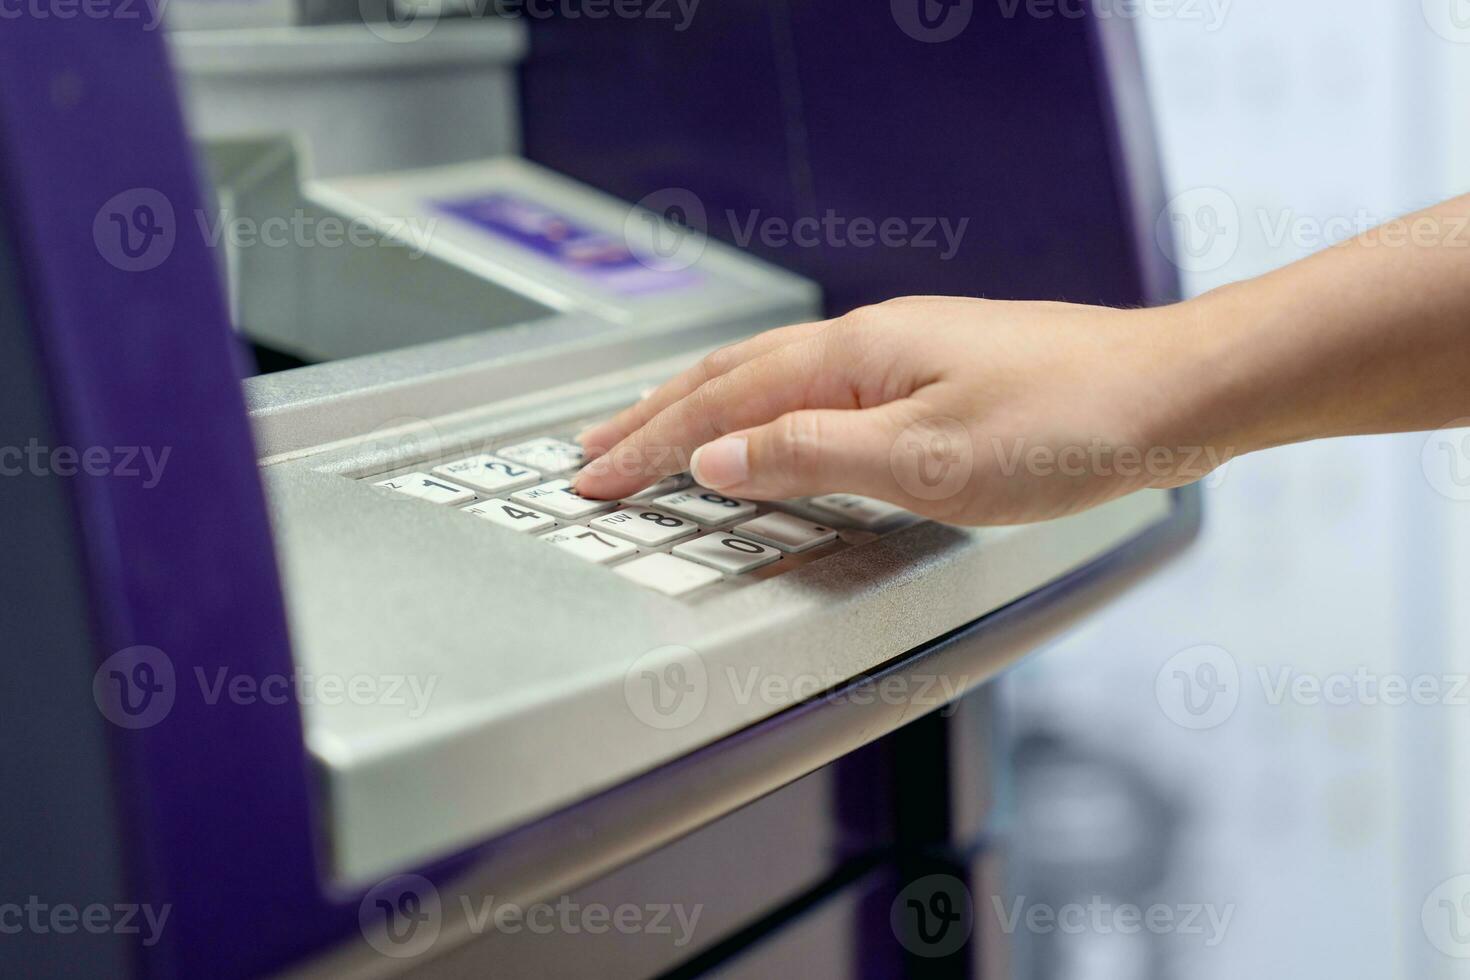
(675, 537)
(597, 547)
(546, 454)
(515, 516)
(645, 526)
(706, 507)
(727, 553)
(489, 474)
(558, 498)
(430, 488)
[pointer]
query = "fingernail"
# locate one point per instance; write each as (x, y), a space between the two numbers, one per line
(722, 463)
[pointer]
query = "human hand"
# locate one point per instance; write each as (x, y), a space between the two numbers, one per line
(962, 410)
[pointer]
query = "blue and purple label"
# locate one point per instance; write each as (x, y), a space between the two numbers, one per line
(590, 253)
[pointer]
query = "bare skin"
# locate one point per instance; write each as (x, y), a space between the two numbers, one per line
(1048, 409)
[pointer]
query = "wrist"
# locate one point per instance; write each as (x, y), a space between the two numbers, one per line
(1217, 400)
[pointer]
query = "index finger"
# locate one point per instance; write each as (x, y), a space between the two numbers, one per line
(811, 373)
(597, 439)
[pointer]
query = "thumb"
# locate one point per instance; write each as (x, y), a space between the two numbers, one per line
(805, 453)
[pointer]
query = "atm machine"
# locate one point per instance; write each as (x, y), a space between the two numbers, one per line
(333, 685)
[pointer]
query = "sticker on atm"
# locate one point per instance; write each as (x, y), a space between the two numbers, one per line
(592, 254)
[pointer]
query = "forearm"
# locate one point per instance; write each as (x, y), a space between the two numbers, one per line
(1370, 336)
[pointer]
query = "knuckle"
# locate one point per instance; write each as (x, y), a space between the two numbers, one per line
(718, 361)
(799, 445)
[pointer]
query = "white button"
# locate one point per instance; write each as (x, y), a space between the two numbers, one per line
(790, 534)
(489, 474)
(601, 549)
(645, 526)
(510, 515)
(706, 507)
(727, 553)
(864, 512)
(545, 454)
(426, 487)
(665, 486)
(669, 575)
(557, 498)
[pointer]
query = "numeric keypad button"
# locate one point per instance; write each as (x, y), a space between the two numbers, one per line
(667, 574)
(558, 498)
(645, 526)
(426, 487)
(489, 474)
(706, 507)
(791, 534)
(863, 512)
(590, 545)
(511, 515)
(545, 454)
(664, 486)
(727, 553)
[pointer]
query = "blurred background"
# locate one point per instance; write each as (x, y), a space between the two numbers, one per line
(1159, 757)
